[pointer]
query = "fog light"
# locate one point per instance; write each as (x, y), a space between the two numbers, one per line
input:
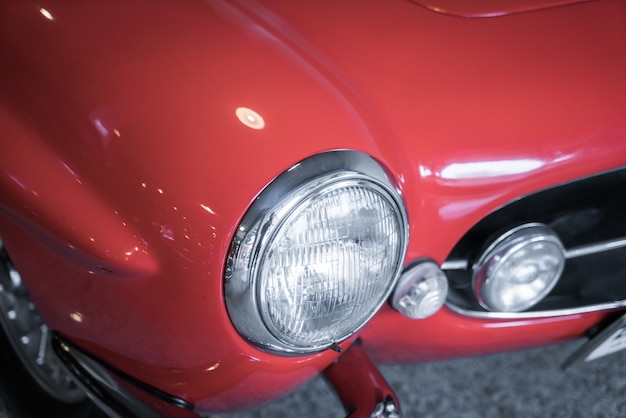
(421, 290)
(519, 269)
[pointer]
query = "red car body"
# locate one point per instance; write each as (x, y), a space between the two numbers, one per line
(124, 170)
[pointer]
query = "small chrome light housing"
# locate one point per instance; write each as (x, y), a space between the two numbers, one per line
(421, 290)
(317, 254)
(519, 268)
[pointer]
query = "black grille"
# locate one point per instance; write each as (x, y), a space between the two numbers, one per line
(584, 212)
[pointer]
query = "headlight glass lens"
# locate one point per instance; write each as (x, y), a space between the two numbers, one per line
(329, 264)
(313, 268)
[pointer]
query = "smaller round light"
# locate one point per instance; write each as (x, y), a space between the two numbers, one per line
(519, 269)
(421, 290)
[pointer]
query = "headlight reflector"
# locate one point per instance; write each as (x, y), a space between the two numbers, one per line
(315, 266)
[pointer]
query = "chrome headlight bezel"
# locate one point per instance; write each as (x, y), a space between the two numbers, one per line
(298, 186)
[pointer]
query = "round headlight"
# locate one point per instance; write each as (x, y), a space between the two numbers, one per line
(519, 269)
(311, 265)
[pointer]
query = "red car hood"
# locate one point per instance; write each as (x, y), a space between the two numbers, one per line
(473, 104)
(489, 8)
(446, 102)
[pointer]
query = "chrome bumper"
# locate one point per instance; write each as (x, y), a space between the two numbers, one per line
(114, 392)
(361, 388)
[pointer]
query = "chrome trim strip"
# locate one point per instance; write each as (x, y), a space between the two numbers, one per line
(538, 314)
(454, 265)
(575, 252)
(421, 290)
(595, 248)
(105, 392)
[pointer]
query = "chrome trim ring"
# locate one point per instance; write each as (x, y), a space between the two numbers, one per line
(30, 337)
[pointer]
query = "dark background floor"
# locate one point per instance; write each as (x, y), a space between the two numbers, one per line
(526, 384)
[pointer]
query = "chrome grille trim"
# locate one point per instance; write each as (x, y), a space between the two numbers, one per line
(575, 252)
(537, 314)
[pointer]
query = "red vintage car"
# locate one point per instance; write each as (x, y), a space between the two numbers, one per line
(204, 204)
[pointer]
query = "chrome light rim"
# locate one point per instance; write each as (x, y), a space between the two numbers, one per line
(30, 337)
(289, 190)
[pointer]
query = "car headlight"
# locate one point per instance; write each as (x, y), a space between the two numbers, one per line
(317, 254)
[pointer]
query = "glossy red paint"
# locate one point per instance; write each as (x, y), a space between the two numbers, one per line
(490, 8)
(359, 384)
(125, 169)
(392, 338)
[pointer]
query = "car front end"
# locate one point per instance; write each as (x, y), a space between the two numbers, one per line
(209, 203)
